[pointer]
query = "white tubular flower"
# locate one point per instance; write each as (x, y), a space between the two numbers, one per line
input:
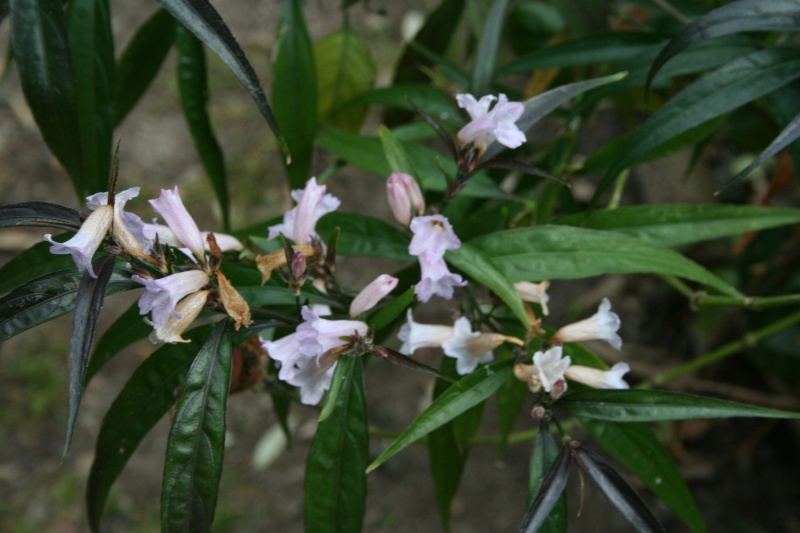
(86, 241)
(404, 197)
(535, 293)
(185, 313)
(315, 377)
(226, 243)
(499, 123)
(472, 347)
(433, 236)
(436, 280)
(600, 379)
(183, 226)
(127, 228)
(415, 335)
(312, 204)
(162, 295)
(372, 294)
(551, 367)
(603, 325)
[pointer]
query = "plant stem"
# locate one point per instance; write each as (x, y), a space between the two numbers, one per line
(700, 298)
(616, 194)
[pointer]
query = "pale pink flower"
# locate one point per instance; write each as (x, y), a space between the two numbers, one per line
(433, 236)
(127, 228)
(162, 295)
(486, 125)
(470, 347)
(312, 204)
(185, 313)
(183, 226)
(603, 325)
(372, 294)
(436, 279)
(226, 243)
(405, 197)
(83, 245)
(415, 335)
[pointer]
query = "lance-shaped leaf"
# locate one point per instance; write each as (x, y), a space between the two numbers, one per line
(193, 86)
(42, 214)
(488, 44)
(466, 393)
(676, 224)
(635, 446)
(540, 105)
(294, 91)
(43, 57)
(619, 492)
(732, 85)
(141, 61)
(48, 297)
(365, 236)
(34, 262)
(744, 15)
(88, 303)
(145, 399)
(562, 252)
(395, 154)
(480, 267)
(652, 406)
(197, 439)
(204, 21)
(92, 47)
(549, 493)
(127, 329)
(335, 484)
(545, 454)
(391, 312)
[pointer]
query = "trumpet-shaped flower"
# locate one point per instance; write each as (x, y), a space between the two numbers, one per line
(472, 347)
(312, 204)
(404, 197)
(486, 125)
(433, 236)
(86, 241)
(534, 292)
(551, 367)
(415, 335)
(372, 294)
(436, 280)
(226, 243)
(603, 325)
(183, 226)
(162, 295)
(600, 379)
(185, 313)
(127, 228)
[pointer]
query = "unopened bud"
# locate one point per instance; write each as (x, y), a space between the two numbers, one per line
(372, 294)
(559, 388)
(404, 196)
(299, 266)
(539, 412)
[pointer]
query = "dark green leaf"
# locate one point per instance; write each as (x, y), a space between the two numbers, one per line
(488, 44)
(93, 61)
(193, 86)
(744, 15)
(395, 154)
(465, 394)
(127, 329)
(48, 297)
(88, 303)
(562, 252)
(335, 484)
(391, 312)
(202, 19)
(147, 397)
(509, 400)
(42, 214)
(197, 439)
(430, 99)
(652, 406)
(365, 236)
(43, 57)
(294, 91)
(619, 492)
(545, 453)
(345, 70)
(635, 446)
(549, 493)
(732, 85)
(141, 61)
(480, 267)
(673, 225)
(30, 264)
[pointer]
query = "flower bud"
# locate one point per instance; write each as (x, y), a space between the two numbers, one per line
(372, 294)
(404, 196)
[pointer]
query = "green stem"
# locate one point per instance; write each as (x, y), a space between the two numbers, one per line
(700, 299)
(616, 194)
(748, 341)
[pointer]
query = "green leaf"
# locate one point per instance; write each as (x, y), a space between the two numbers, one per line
(395, 154)
(141, 61)
(193, 86)
(673, 225)
(30, 264)
(732, 85)
(48, 297)
(88, 303)
(295, 89)
(652, 406)
(480, 267)
(43, 58)
(430, 99)
(466, 393)
(93, 61)
(365, 236)
(562, 252)
(391, 312)
(127, 329)
(488, 44)
(345, 70)
(335, 484)
(635, 446)
(549, 495)
(43, 214)
(744, 15)
(197, 439)
(202, 19)
(145, 399)
(545, 452)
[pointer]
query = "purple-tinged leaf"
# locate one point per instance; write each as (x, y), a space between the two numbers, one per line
(42, 214)
(127, 329)
(549, 493)
(545, 453)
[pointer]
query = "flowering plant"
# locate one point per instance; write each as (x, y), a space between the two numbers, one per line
(492, 253)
